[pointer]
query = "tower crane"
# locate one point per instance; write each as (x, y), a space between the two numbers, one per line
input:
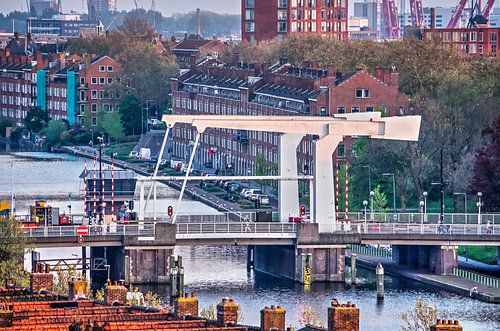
(136, 5)
(457, 14)
(487, 8)
(392, 28)
(417, 13)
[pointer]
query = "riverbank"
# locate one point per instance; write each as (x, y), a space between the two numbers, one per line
(449, 283)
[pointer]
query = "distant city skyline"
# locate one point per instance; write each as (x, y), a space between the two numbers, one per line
(168, 7)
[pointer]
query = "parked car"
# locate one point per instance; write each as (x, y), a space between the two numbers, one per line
(253, 194)
(233, 187)
(244, 192)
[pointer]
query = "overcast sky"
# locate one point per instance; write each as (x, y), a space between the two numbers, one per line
(167, 7)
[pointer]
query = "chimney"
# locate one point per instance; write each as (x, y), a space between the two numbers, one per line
(115, 293)
(39, 60)
(187, 306)
(198, 24)
(343, 317)
(77, 289)
(272, 318)
(332, 70)
(227, 312)
(433, 18)
(394, 80)
(444, 325)
(41, 279)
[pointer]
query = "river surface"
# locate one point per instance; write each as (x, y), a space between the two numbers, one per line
(217, 272)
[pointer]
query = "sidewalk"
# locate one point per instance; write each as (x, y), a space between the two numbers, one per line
(450, 283)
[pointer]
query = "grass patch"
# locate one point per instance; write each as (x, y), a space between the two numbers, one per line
(244, 202)
(213, 189)
(485, 254)
(122, 150)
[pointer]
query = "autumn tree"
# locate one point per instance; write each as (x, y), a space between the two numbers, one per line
(12, 248)
(486, 173)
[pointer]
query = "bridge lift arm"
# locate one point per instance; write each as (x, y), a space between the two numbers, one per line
(457, 14)
(391, 19)
(487, 8)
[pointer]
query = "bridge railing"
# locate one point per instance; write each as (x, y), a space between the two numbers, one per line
(91, 230)
(449, 218)
(409, 228)
(476, 277)
(236, 228)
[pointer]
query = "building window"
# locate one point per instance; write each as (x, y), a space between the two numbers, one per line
(340, 110)
(282, 15)
(282, 3)
(282, 26)
(94, 94)
(249, 15)
(249, 3)
(369, 109)
(94, 121)
(362, 93)
(102, 68)
(82, 80)
(110, 80)
(354, 109)
(94, 108)
(102, 80)
(322, 111)
(341, 150)
(249, 26)
(118, 95)
(94, 80)
(110, 68)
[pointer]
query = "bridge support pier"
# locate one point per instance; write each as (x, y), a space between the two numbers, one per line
(149, 265)
(437, 259)
(321, 265)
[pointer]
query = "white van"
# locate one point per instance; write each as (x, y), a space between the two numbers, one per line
(252, 192)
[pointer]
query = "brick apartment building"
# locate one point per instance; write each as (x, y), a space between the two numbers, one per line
(64, 86)
(211, 87)
(199, 47)
(274, 19)
(482, 41)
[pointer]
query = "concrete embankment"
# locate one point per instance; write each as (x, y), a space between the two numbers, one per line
(449, 283)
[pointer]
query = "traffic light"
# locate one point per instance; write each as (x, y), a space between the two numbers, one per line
(170, 211)
(257, 203)
(302, 210)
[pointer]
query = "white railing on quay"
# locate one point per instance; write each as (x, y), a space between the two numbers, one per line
(233, 229)
(90, 230)
(372, 251)
(476, 277)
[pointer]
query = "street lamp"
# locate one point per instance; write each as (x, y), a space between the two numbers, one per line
(422, 204)
(393, 194)
(425, 205)
(365, 203)
(479, 204)
(369, 178)
(371, 205)
(465, 203)
(100, 139)
(108, 267)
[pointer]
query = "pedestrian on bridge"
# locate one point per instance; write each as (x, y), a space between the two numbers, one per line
(489, 227)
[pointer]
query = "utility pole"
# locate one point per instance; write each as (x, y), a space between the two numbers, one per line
(441, 216)
(101, 181)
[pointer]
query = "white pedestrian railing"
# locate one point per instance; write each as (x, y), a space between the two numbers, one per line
(476, 277)
(372, 251)
(449, 218)
(236, 228)
(441, 229)
(90, 230)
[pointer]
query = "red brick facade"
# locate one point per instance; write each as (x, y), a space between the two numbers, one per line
(274, 19)
(215, 88)
(482, 41)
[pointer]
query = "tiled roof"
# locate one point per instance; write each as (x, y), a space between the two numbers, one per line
(289, 92)
(226, 82)
(191, 44)
(15, 67)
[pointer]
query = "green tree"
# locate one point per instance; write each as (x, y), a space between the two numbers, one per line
(130, 114)
(12, 247)
(4, 124)
(54, 131)
(379, 200)
(112, 125)
(36, 119)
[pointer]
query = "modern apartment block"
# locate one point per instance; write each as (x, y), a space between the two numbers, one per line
(481, 41)
(101, 6)
(275, 19)
(212, 87)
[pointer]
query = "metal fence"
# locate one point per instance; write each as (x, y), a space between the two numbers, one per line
(236, 228)
(449, 218)
(425, 228)
(372, 251)
(476, 277)
(91, 230)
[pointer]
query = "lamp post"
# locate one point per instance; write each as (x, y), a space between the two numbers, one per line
(465, 203)
(108, 267)
(100, 139)
(371, 205)
(479, 205)
(369, 178)
(393, 194)
(365, 203)
(425, 205)
(422, 204)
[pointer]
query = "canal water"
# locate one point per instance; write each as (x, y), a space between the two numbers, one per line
(217, 272)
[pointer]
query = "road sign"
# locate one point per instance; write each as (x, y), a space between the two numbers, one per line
(82, 230)
(80, 240)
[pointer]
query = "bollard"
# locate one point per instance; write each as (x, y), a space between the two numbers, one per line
(353, 269)
(380, 281)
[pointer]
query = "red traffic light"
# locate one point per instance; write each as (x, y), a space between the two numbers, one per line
(170, 211)
(302, 210)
